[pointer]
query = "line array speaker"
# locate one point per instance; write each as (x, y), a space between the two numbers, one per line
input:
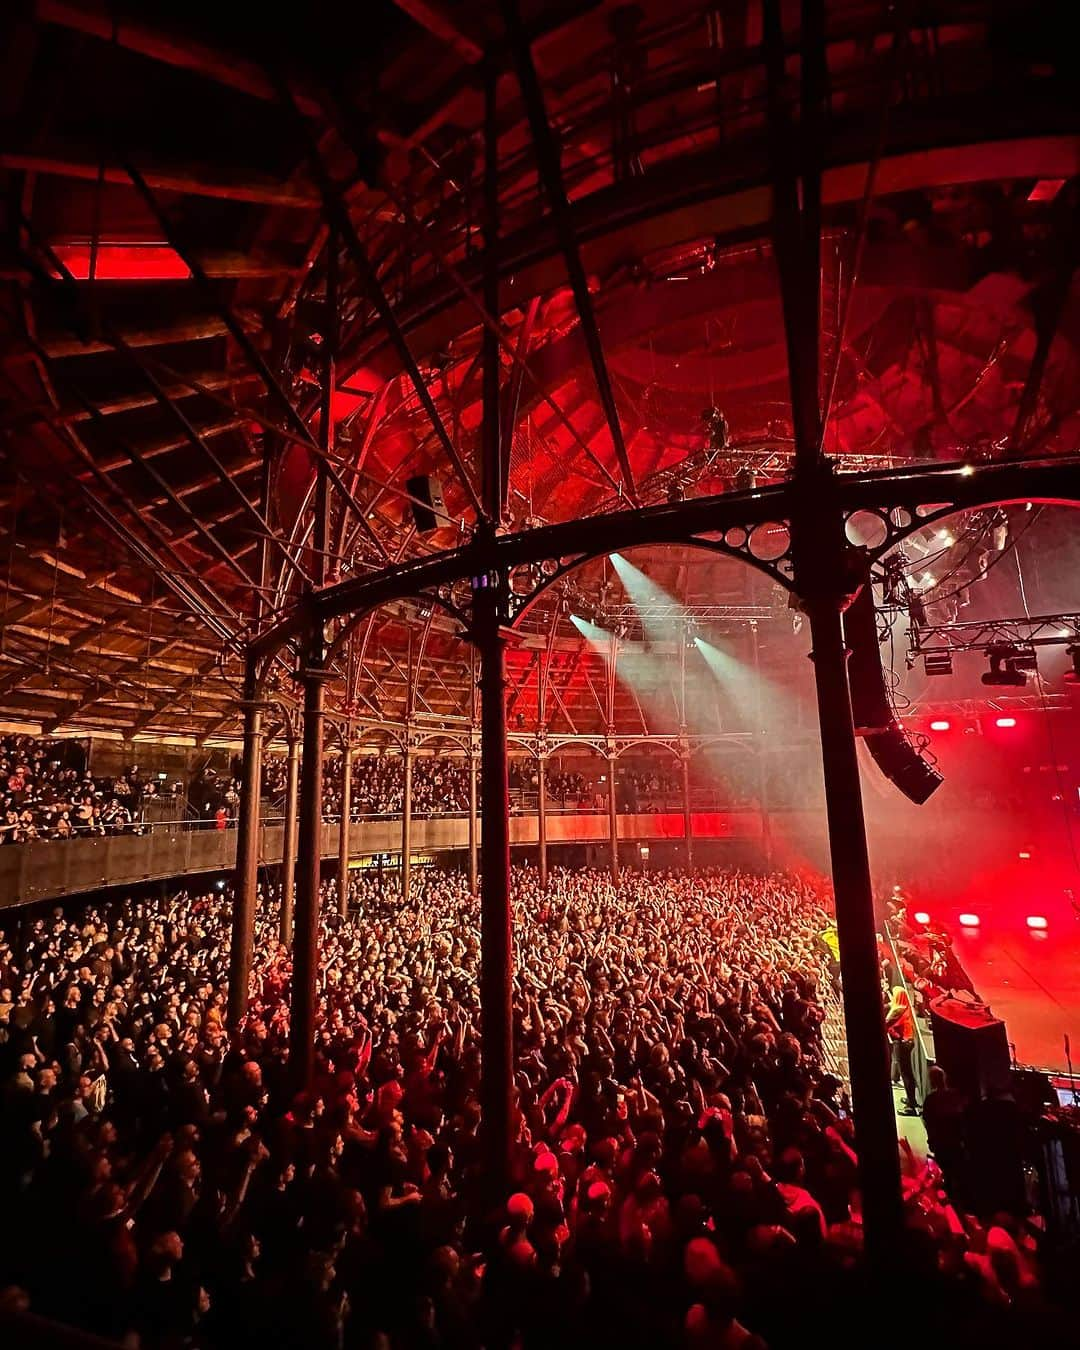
(872, 711)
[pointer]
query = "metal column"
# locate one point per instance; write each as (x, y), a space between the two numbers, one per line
(288, 847)
(541, 819)
(406, 827)
(824, 580)
(871, 1090)
(473, 841)
(759, 743)
(246, 875)
(343, 833)
(688, 815)
(613, 818)
(313, 676)
(496, 970)
(306, 935)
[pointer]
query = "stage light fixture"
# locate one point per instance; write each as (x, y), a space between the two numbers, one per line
(1008, 664)
(940, 725)
(1037, 922)
(1005, 723)
(937, 663)
(1024, 854)
(969, 920)
(1073, 651)
(921, 916)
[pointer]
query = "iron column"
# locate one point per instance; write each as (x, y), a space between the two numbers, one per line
(343, 834)
(541, 819)
(246, 874)
(613, 819)
(473, 841)
(688, 815)
(306, 936)
(406, 827)
(496, 965)
(288, 848)
(824, 572)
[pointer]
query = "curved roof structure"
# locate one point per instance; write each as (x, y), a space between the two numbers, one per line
(171, 181)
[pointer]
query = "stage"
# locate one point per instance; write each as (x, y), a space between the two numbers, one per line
(1030, 977)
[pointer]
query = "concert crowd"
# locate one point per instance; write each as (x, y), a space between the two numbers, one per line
(46, 792)
(683, 1170)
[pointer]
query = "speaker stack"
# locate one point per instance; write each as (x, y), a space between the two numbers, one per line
(872, 711)
(971, 1045)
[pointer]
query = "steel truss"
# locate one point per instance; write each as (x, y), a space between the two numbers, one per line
(979, 635)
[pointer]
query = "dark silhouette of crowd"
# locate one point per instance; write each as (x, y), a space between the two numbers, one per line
(683, 1165)
(47, 792)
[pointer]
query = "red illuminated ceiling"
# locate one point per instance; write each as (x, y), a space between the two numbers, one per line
(138, 505)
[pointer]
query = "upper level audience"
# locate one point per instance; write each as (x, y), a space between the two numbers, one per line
(46, 792)
(683, 1169)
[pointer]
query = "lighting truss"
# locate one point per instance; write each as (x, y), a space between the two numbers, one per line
(980, 635)
(971, 709)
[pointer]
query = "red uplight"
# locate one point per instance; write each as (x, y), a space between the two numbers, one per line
(921, 916)
(1037, 921)
(1024, 854)
(969, 921)
(1005, 722)
(940, 725)
(123, 262)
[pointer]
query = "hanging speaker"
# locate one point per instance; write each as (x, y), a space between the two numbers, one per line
(871, 708)
(428, 507)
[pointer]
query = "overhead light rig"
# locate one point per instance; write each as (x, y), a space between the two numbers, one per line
(1009, 644)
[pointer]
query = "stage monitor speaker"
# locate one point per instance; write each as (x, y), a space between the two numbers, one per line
(971, 1046)
(428, 507)
(872, 710)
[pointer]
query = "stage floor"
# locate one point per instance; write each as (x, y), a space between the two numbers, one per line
(1030, 978)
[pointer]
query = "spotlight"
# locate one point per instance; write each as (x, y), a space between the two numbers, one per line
(937, 663)
(1008, 664)
(940, 725)
(921, 916)
(1037, 922)
(1005, 723)
(969, 920)
(1024, 854)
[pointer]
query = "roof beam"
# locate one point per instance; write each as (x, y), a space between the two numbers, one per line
(433, 17)
(182, 52)
(550, 168)
(191, 180)
(198, 329)
(337, 215)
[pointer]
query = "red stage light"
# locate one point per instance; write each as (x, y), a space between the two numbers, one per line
(1037, 921)
(1005, 722)
(969, 921)
(921, 916)
(1024, 854)
(940, 725)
